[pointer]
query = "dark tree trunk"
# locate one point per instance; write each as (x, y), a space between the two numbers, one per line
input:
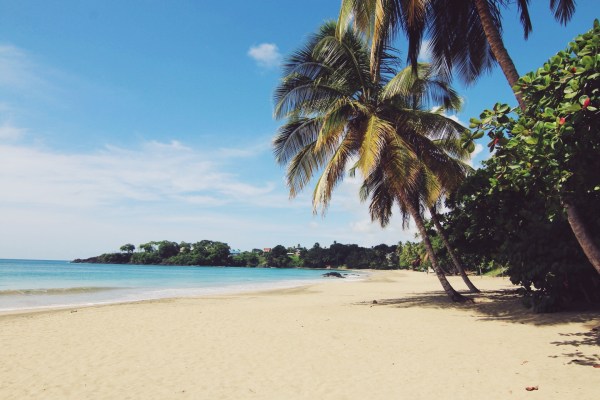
(455, 260)
(453, 294)
(497, 46)
(582, 235)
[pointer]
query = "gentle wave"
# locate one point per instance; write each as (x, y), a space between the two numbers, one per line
(55, 291)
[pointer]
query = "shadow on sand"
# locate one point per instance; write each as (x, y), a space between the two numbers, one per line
(491, 305)
(579, 340)
(506, 306)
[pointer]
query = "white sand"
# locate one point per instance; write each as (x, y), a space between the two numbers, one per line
(326, 341)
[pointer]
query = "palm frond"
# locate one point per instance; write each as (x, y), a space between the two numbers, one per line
(457, 40)
(454, 148)
(376, 134)
(294, 136)
(433, 125)
(377, 188)
(302, 167)
(421, 89)
(335, 121)
(523, 8)
(332, 175)
(563, 10)
(359, 13)
(449, 172)
(299, 94)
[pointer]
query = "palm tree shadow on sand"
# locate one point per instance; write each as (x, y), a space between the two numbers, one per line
(582, 348)
(581, 341)
(491, 305)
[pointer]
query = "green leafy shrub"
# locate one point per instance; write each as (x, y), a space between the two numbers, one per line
(547, 159)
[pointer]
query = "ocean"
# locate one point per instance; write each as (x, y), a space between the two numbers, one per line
(34, 284)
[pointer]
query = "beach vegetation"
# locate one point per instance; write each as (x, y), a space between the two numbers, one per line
(210, 253)
(552, 146)
(146, 257)
(147, 247)
(247, 259)
(278, 257)
(411, 256)
(167, 249)
(546, 162)
(538, 251)
(342, 111)
(463, 37)
(127, 248)
(382, 188)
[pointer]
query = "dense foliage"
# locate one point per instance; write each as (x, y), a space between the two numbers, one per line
(553, 146)
(518, 209)
(210, 253)
(539, 252)
(205, 252)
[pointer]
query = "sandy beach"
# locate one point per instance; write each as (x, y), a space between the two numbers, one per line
(326, 341)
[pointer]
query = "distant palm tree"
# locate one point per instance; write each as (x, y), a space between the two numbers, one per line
(465, 35)
(337, 114)
(453, 256)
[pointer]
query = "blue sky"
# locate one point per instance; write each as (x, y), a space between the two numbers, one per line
(148, 120)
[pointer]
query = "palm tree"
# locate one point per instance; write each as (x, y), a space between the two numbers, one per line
(453, 256)
(465, 35)
(432, 193)
(336, 114)
(414, 87)
(384, 191)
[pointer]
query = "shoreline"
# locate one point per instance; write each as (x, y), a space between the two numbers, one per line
(326, 340)
(208, 292)
(114, 285)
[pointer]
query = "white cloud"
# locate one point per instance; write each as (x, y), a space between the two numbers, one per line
(455, 119)
(16, 67)
(360, 228)
(155, 172)
(22, 73)
(80, 205)
(245, 152)
(10, 133)
(266, 55)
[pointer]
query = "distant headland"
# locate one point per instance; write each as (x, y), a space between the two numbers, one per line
(214, 253)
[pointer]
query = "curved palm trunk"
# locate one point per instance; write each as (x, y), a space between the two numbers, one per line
(582, 235)
(453, 294)
(455, 260)
(497, 46)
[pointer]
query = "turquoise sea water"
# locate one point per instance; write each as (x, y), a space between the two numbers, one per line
(26, 284)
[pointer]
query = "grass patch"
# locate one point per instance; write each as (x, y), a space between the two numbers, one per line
(496, 272)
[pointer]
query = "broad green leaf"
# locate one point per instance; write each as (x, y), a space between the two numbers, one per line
(571, 107)
(477, 135)
(518, 129)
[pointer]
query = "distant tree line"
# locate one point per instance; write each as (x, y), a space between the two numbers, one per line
(406, 255)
